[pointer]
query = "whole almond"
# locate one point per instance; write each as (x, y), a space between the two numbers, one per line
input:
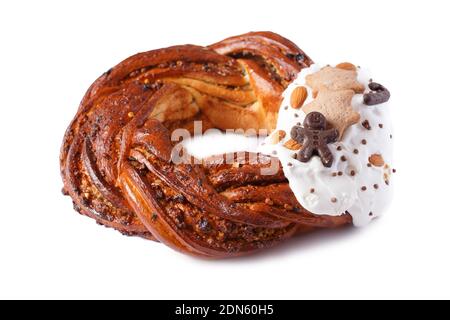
(346, 66)
(278, 136)
(376, 160)
(292, 145)
(298, 97)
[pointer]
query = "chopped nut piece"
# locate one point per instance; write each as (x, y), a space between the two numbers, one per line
(278, 136)
(346, 66)
(292, 145)
(298, 97)
(376, 160)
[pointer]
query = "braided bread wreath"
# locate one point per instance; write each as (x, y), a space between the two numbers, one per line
(116, 154)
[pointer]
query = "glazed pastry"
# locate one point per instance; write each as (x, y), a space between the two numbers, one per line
(117, 155)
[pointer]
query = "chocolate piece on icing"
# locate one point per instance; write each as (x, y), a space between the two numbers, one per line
(379, 94)
(366, 125)
(314, 138)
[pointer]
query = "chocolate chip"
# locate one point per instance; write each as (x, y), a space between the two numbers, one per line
(352, 173)
(363, 188)
(377, 95)
(380, 125)
(366, 124)
(339, 148)
(375, 186)
(343, 158)
(364, 141)
(370, 213)
(355, 151)
(340, 173)
(334, 200)
(311, 190)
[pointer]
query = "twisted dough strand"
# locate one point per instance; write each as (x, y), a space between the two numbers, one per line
(115, 158)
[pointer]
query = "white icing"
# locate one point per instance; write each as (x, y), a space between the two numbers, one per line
(363, 206)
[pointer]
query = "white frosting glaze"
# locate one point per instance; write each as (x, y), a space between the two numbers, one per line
(363, 205)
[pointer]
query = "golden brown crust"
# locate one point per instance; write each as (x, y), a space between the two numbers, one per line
(115, 158)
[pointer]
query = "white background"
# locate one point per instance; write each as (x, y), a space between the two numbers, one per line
(50, 52)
